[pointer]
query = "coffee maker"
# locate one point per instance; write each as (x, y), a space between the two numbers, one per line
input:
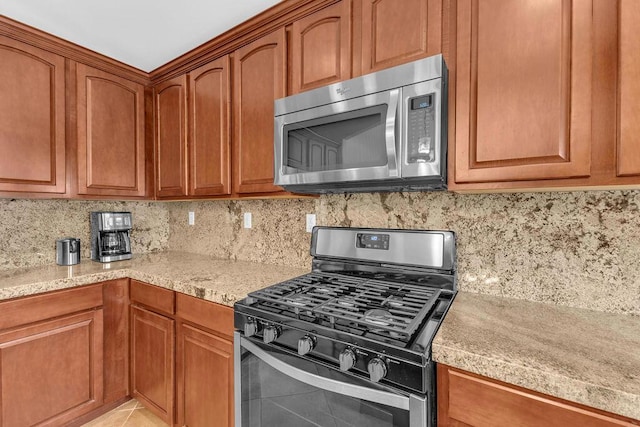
(110, 236)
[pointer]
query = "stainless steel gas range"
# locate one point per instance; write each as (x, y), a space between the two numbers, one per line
(348, 344)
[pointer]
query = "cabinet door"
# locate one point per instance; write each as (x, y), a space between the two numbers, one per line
(32, 119)
(152, 361)
(321, 48)
(209, 129)
(394, 33)
(259, 79)
(171, 137)
(523, 90)
(51, 372)
(115, 295)
(111, 143)
(205, 378)
(466, 399)
(628, 160)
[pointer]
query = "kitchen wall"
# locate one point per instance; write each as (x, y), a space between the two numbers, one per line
(29, 228)
(579, 249)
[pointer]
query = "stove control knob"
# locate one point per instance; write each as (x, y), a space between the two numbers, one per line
(347, 359)
(270, 334)
(251, 327)
(377, 369)
(306, 344)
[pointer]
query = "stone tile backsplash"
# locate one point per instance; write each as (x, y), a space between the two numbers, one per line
(579, 249)
(29, 228)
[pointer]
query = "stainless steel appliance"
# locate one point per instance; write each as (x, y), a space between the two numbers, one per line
(68, 251)
(350, 342)
(110, 236)
(385, 131)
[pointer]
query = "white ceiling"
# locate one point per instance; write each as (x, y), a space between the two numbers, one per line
(145, 34)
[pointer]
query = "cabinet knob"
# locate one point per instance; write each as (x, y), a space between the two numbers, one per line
(377, 369)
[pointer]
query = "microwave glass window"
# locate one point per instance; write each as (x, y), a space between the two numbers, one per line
(350, 140)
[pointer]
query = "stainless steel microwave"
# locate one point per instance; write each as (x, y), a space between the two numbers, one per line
(385, 131)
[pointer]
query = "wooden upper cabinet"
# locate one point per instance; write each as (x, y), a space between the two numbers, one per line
(394, 33)
(111, 134)
(209, 129)
(628, 153)
(320, 51)
(259, 79)
(171, 137)
(32, 119)
(523, 90)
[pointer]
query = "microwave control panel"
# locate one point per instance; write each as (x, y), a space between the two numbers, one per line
(421, 129)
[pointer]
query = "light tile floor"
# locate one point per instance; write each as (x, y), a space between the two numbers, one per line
(129, 414)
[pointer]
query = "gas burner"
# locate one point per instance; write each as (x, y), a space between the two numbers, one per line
(346, 302)
(394, 301)
(297, 300)
(378, 317)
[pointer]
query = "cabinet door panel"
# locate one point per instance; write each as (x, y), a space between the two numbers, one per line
(393, 34)
(259, 79)
(171, 137)
(116, 339)
(111, 144)
(321, 48)
(629, 89)
(209, 126)
(205, 379)
(523, 102)
(51, 372)
(152, 361)
(32, 119)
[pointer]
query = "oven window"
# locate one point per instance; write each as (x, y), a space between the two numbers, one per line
(354, 139)
(270, 398)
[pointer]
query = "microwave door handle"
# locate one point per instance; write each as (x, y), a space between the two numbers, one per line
(390, 132)
(339, 387)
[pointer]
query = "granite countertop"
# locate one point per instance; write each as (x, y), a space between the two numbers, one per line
(217, 280)
(580, 355)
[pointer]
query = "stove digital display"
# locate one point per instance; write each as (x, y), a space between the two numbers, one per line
(372, 241)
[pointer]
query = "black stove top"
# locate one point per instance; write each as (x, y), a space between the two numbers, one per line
(390, 310)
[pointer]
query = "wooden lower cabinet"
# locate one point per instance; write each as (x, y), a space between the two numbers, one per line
(116, 340)
(469, 400)
(204, 363)
(51, 369)
(152, 361)
(204, 370)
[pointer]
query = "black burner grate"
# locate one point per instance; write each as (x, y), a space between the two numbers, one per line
(382, 307)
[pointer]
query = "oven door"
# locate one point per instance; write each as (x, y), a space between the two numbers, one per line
(277, 388)
(349, 140)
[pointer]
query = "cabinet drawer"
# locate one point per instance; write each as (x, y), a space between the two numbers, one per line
(154, 297)
(35, 308)
(216, 317)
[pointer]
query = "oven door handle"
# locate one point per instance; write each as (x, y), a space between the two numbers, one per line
(351, 390)
(390, 133)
